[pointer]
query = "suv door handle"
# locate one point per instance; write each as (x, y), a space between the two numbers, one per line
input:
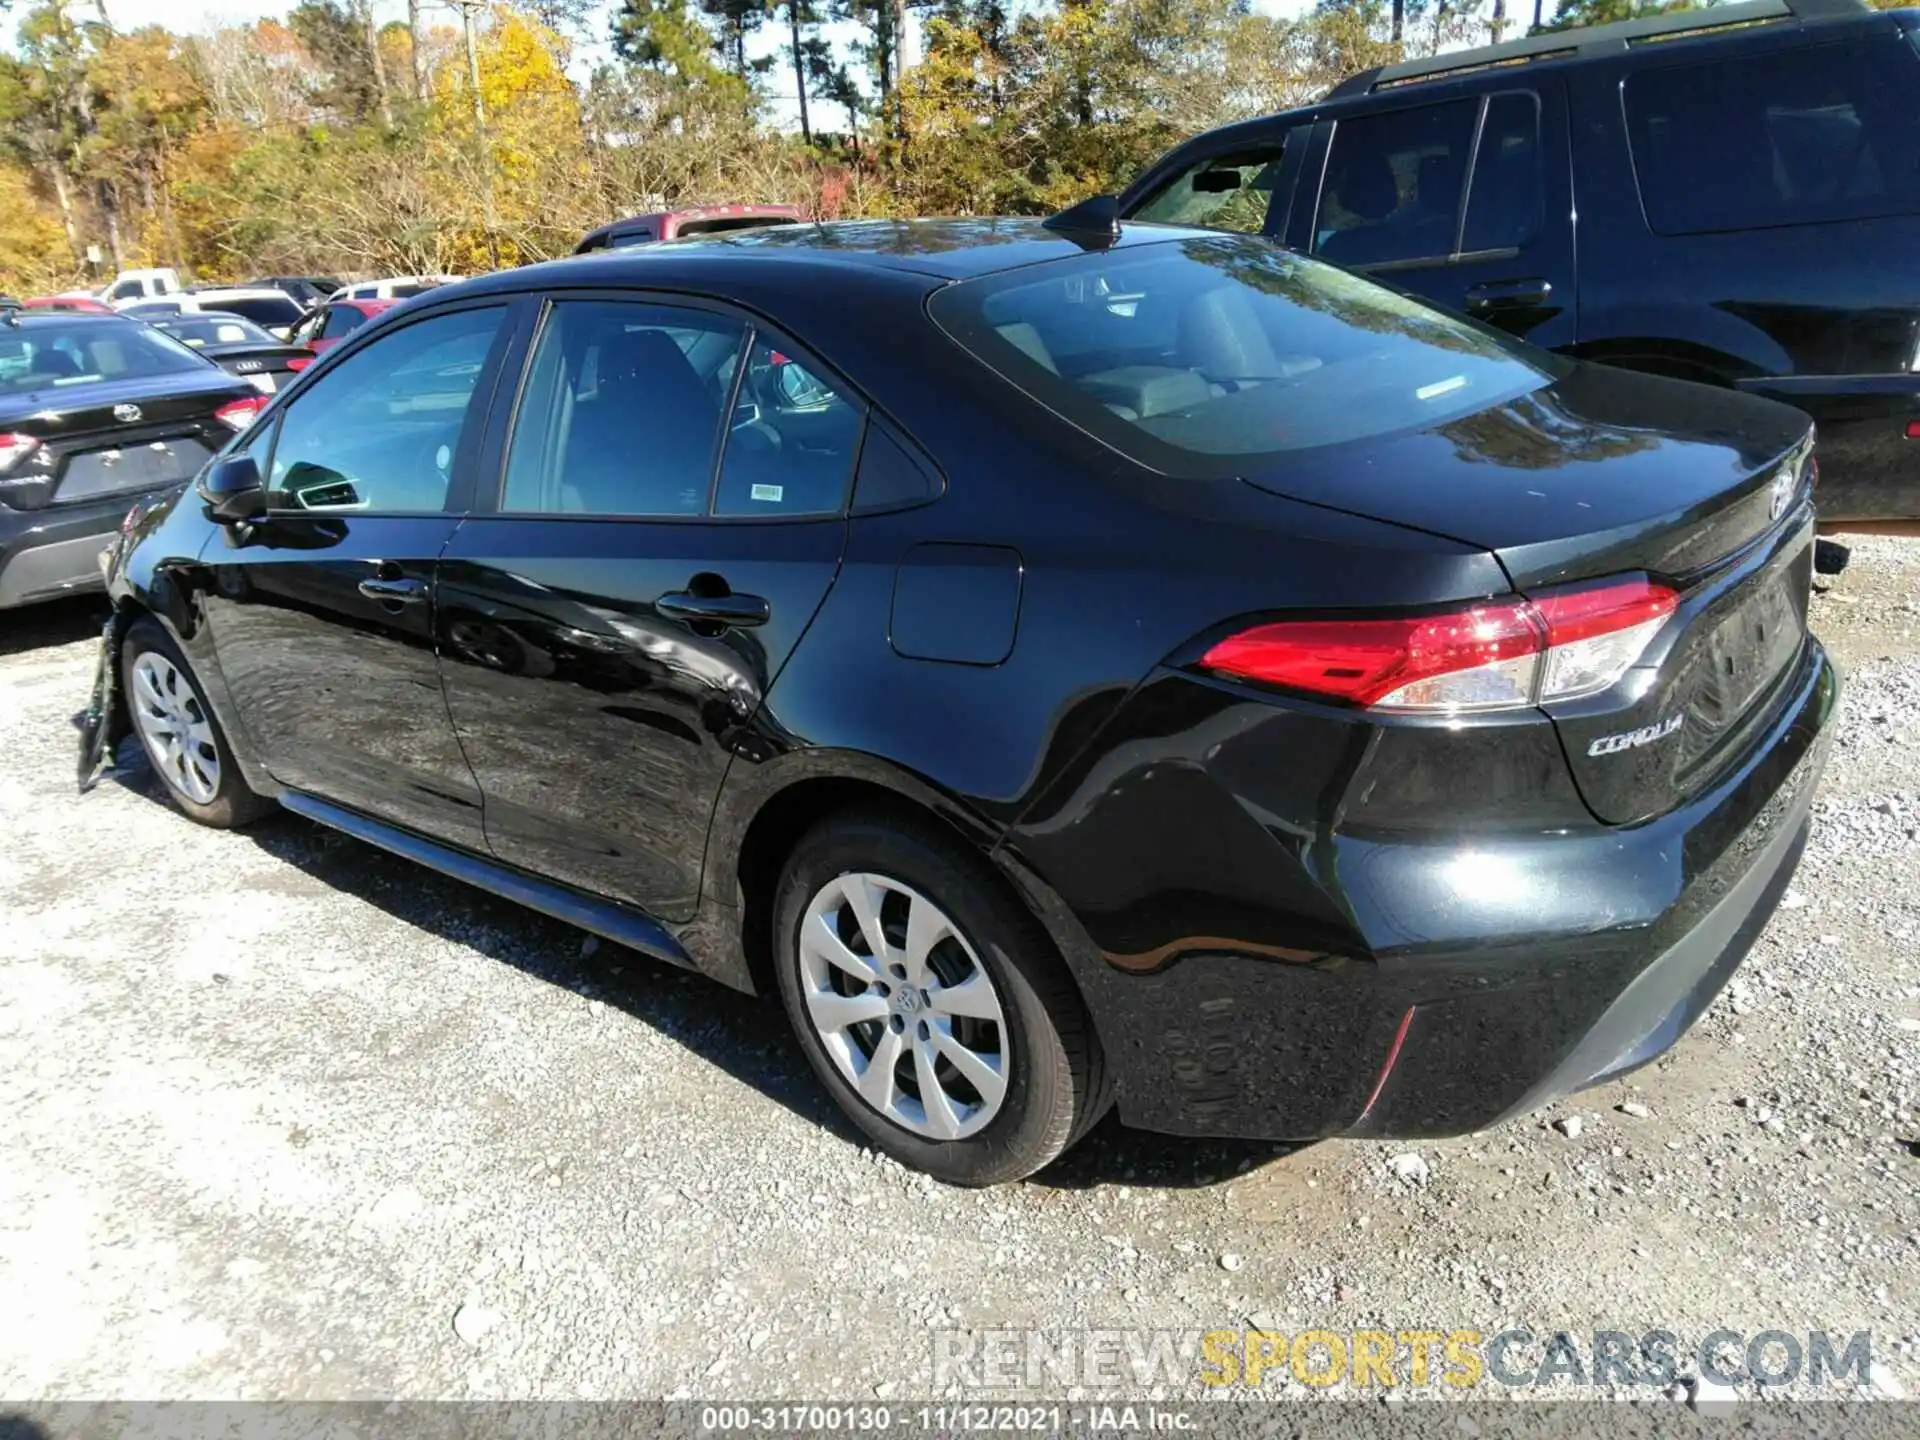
(735, 610)
(394, 592)
(1509, 294)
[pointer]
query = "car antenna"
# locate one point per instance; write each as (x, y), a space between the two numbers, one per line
(1098, 217)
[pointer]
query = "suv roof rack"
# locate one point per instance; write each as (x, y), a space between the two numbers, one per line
(1593, 40)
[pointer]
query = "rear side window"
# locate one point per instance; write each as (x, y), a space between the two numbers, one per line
(791, 442)
(264, 310)
(1818, 133)
(342, 320)
(1222, 192)
(1200, 357)
(620, 413)
(1504, 200)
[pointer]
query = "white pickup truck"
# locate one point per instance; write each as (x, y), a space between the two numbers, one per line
(130, 287)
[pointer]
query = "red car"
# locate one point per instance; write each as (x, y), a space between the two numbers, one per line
(82, 304)
(327, 325)
(683, 224)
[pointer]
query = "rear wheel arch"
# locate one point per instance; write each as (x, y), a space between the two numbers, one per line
(751, 841)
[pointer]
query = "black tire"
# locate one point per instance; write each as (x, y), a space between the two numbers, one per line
(232, 803)
(1055, 1088)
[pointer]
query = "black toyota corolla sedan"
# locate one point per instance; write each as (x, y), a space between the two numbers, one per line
(95, 411)
(1069, 668)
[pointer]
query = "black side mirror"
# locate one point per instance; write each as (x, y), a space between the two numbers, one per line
(232, 490)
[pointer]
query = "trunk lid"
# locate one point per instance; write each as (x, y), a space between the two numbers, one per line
(1607, 473)
(69, 412)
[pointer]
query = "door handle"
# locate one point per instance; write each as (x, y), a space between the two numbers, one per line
(394, 592)
(735, 610)
(1509, 294)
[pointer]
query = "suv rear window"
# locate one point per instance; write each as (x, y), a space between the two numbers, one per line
(1195, 356)
(1813, 134)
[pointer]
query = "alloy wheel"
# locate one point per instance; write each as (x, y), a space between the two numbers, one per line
(175, 727)
(903, 1006)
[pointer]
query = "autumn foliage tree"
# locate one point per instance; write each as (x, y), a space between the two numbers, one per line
(329, 143)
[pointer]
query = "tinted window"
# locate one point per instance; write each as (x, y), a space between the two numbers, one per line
(620, 413)
(409, 289)
(1504, 204)
(379, 431)
(1824, 132)
(1198, 355)
(342, 320)
(791, 443)
(1394, 183)
(630, 237)
(126, 290)
(890, 475)
(1226, 192)
(267, 310)
(198, 330)
(51, 357)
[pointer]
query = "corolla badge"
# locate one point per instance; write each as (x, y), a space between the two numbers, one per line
(1634, 739)
(127, 414)
(1782, 494)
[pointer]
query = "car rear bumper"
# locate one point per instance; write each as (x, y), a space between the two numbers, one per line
(45, 554)
(1479, 1013)
(1869, 469)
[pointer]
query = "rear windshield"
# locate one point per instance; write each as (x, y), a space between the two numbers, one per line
(1198, 356)
(199, 330)
(262, 309)
(53, 357)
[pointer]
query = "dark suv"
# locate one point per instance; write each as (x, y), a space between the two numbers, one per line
(1730, 195)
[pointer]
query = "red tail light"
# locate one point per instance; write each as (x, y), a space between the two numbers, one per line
(14, 449)
(238, 414)
(299, 363)
(1913, 429)
(1496, 655)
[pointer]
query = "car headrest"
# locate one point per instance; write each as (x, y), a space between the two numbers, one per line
(1220, 337)
(1366, 186)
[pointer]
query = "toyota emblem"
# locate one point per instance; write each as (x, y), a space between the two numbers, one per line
(127, 414)
(1782, 493)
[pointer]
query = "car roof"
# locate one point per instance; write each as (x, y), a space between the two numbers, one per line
(367, 305)
(936, 249)
(1493, 66)
(66, 317)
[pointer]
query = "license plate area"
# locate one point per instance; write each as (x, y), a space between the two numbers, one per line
(138, 465)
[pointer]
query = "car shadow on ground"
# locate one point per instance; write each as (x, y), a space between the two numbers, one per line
(746, 1037)
(58, 622)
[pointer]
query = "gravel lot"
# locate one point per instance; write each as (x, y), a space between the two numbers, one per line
(281, 1117)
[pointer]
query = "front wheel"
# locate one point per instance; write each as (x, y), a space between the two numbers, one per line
(930, 1004)
(179, 733)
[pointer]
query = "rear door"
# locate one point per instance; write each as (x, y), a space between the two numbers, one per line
(321, 613)
(668, 518)
(1465, 201)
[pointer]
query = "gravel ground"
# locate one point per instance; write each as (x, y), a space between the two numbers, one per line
(284, 1118)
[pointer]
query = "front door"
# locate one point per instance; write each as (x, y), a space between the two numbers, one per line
(1465, 202)
(668, 520)
(322, 613)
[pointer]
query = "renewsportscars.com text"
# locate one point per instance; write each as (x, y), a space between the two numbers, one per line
(1452, 1358)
